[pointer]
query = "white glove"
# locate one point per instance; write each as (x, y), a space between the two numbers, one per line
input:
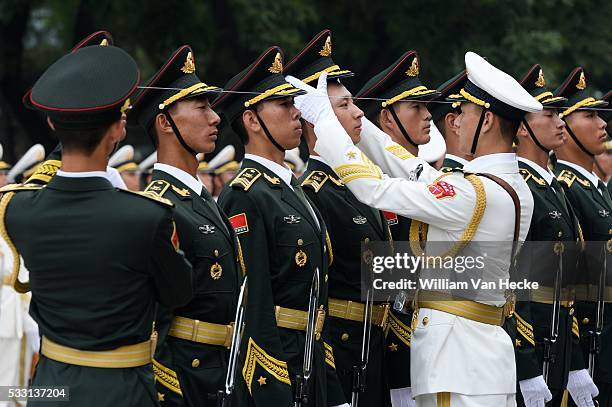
(115, 178)
(402, 397)
(535, 392)
(581, 388)
(314, 105)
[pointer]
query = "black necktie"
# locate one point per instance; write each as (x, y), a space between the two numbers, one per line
(605, 194)
(560, 193)
(213, 205)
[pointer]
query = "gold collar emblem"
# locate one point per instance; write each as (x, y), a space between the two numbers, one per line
(414, 68)
(277, 65)
(541, 82)
(327, 48)
(581, 82)
(189, 66)
(181, 191)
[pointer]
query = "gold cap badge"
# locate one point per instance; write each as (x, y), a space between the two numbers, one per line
(277, 65)
(540, 82)
(189, 66)
(327, 48)
(581, 82)
(414, 68)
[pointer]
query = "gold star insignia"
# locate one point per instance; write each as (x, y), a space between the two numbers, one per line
(414, 68)
(160, 396)
(517, 342)
(189, 65)
(351, 155)
(261, 380)
(277, 65)
(393, 347)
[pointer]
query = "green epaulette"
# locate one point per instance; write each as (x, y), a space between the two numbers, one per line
(152, 195)
(527, 175)
(246, 178)
(315, 180)
(20, 187)
(568, 178)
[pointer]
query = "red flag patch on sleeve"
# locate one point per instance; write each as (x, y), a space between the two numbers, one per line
(174, 239)
(239, 223)
(442, 190)
(391, 218)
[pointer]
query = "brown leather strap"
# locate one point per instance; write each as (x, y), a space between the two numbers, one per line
(517, 207)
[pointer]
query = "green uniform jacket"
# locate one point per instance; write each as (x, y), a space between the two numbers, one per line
(282, 246)
(99, 260)
(350, 223)
(553, 221)
(195, 370)
(594, 212)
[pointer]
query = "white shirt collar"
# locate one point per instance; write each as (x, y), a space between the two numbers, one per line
(83, 174)
(544, 172)
(503, 163)
(192, 183)
(460, 160)
(282, 171)
(587, 174)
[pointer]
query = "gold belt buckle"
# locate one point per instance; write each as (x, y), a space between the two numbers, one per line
(194, 332)
(319, 322)
(229, 334)
(385, 315)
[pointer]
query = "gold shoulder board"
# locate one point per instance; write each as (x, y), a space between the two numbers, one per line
(158, 187)
(567, 177)
(20, 187)
(315, 180)
(246, 178)
(151, 196)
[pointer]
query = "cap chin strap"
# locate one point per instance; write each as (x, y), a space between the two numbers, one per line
(534, 138)
(478, 128)
(401, 127)
(177, 133)
(578, 143)
(268, 134)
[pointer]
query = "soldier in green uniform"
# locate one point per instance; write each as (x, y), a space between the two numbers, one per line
(553, 221)
(192, 355)
(405, 118)
(349, 223)
(94, 286)
(585, 133)
(283, 238)
(443, 115)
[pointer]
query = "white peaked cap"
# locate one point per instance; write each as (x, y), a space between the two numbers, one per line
(435, 148)
(224, 156)
(148, 162)
(35, 154)
(125, 153)
(499, 84)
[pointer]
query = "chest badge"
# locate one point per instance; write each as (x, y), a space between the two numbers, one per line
(359, 220)
(301, 258)
(215, 271)
(292, 219)
(206, 229)
(555, 214)
(604, 213)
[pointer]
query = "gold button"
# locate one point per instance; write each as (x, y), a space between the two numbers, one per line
(425, 320)
(195, 363)
(585, 321)
(216, 252)
(300, 242)
(326, 277)
(344, 337)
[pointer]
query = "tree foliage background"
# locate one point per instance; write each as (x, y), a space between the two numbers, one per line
(367, 36)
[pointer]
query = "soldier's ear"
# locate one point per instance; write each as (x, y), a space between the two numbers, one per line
(490, 120)
(250, 121)
(522, 130)
(162, 125)
(384, 119)
(449, 120)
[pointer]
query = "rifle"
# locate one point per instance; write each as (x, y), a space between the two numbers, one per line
(223, 396)
(300, 396)
(359, 371)
(595, 336)
(550, 342)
